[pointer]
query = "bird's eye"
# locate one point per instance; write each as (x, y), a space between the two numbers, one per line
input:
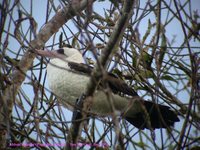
(60, 51)
(68, 45)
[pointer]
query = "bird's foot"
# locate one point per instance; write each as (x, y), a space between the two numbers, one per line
(77, 109)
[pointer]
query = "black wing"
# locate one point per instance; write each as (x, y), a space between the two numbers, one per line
(81, 68)
(119, 86)
(116, 85)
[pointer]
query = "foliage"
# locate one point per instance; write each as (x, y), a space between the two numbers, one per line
(158, 55)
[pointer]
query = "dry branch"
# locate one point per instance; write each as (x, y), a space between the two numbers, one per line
(97, 74)
(18, 76)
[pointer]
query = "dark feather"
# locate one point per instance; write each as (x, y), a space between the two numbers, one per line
(81, 68)
(115, 84)
(160, 116)
(119, 86)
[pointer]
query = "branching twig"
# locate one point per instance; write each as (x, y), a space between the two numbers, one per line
(18, 76)
(106, 54)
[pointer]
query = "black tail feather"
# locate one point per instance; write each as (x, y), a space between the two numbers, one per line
(160, 117)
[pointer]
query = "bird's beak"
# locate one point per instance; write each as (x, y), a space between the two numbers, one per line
(50, 54)
(46, 53)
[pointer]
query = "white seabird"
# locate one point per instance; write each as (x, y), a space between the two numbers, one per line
(68, 77)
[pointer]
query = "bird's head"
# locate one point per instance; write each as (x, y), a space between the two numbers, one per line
(63, 54)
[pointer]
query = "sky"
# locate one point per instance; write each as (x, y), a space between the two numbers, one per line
(39, 14)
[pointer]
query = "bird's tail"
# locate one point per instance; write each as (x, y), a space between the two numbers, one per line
(156, 116)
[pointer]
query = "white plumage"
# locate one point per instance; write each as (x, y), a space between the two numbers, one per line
(68, 85)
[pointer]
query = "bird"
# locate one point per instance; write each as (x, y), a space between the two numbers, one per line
(68, 76)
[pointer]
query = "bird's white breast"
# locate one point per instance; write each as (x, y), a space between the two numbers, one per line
(68, 87)
(64, 83)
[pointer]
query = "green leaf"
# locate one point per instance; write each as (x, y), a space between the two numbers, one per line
(75, 41)
(162, 49)
(147, 32)
(168, 78)
(183, 68)
(147, 74)
(134, 57)
(147, 58)
(117, 72)
(141, 144)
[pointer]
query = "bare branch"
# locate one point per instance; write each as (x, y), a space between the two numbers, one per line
(18, 76)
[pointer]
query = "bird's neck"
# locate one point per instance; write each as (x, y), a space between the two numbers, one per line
(63, 63)
(77, 58)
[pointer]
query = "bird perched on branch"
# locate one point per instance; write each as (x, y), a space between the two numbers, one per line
(68, 77)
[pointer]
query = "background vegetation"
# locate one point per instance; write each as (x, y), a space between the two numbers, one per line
(155, 50)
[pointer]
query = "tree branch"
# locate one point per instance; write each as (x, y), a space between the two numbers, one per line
(18, 76)
(107, 52)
